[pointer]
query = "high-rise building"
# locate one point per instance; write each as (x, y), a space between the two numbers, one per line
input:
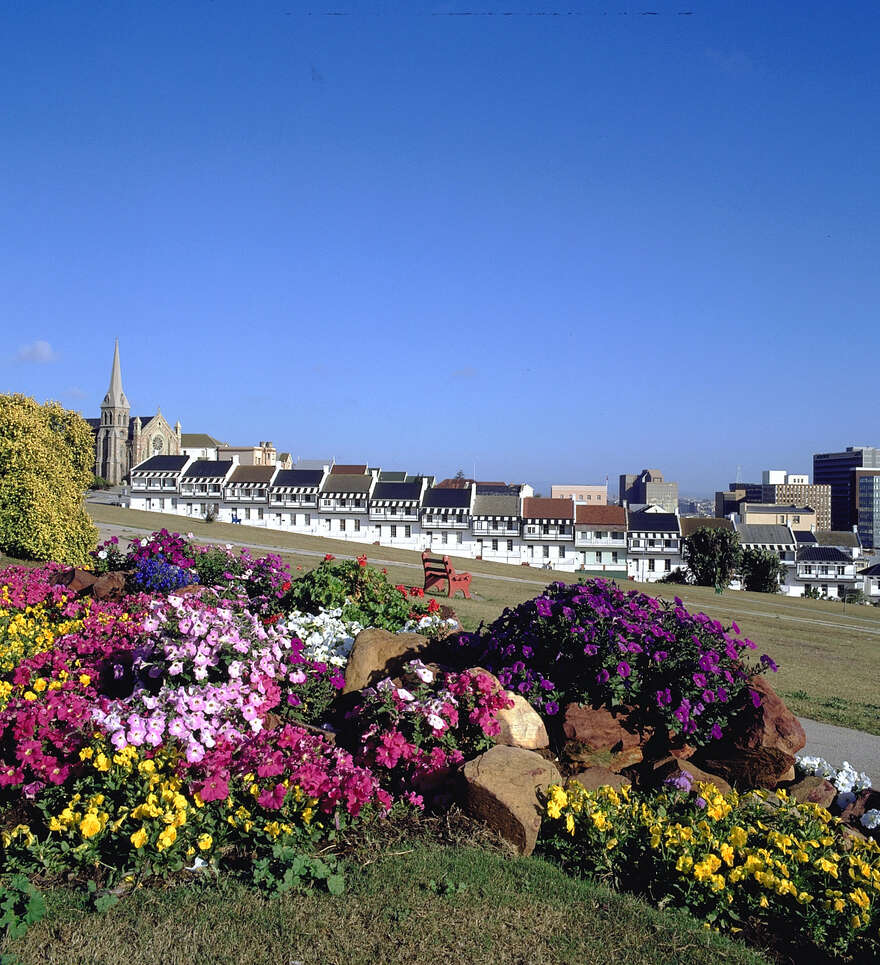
(868, 493)
(649, 488)
(835, 469)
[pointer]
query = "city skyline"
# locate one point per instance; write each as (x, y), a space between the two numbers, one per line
(545, 249)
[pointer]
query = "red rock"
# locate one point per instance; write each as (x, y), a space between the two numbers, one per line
(501, 789)
(599, 729)
(672, 767)
(747, 767)
(866, 800)
(814, 790)
(110, 586)
(595, 777)
(77, 581)
(770, 725)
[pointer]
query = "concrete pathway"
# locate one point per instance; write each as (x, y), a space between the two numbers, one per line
(839, 744)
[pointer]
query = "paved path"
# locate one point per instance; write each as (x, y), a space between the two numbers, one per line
(839, 744)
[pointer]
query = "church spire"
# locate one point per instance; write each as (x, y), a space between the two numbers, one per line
(115, 396)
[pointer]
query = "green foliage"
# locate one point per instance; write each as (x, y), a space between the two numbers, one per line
(762, 570)
(21, 904)
(46, 459)
(287, 869)
(211, 565)
(677, 576)
(99, 482)
(364, 594)
(712, 556)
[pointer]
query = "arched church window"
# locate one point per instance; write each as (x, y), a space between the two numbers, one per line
(158, 445)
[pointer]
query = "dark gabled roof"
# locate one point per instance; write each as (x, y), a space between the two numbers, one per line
(161, 464)
(347, 470)
(496, 488)
(252, 474)
(144, 420)
(873, 570)
(823, 554)
(690, 524)
(440, 497)
(600, 515)
(764, 534)
(196, 440)
(207, 468)
(535, 507)
(347, 483)
(837, 537)
(803, 537)
(299, 477)
(642, 522)
(397, 491)
(496, 504)
(392, 475)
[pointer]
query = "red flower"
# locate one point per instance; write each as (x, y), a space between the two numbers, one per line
(268, 621)
(329, 557)
(285, 586)
(433, 606)
(362, 560)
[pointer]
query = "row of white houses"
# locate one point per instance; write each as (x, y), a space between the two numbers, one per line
(490, 521)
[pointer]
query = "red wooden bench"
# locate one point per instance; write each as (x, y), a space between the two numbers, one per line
(438, 569)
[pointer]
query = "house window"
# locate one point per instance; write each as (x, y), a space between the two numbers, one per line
(546, 552)
(444, 539)
(259, 514)
(341, 525)
(651, 565)
(459, 539)
(394, 533)
(308, 519)
(667, 565)
(407, 531)
(357, 525)
(510, 546)
(494, 545)
(614, 556)
(562, 552)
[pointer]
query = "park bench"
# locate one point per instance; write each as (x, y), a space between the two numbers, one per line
(438, 569)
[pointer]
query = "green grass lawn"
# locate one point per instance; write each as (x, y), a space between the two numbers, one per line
(418, 903)
(829, 658)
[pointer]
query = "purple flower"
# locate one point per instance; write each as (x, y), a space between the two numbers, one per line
(716, 731)
(547, 684)
(756, 698)
(664, 697)
(543, 606)
(768, 662)
(551, 708)
(700, 680)
(602, 677)
(623, 669)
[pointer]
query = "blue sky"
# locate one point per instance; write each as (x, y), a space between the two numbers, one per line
(553, 247)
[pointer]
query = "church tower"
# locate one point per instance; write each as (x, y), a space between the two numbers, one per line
(112, 451)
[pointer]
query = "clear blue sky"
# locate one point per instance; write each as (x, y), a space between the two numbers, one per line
(554, 247)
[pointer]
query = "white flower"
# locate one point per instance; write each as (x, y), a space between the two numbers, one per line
(404, 694)
(435, 722)
(102, 555)
(870, 819)
(144, 541)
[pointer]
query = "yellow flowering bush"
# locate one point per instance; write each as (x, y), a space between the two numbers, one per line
(756, 861)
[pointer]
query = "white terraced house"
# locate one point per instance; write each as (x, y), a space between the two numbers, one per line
(154, 483)
(600, 540)
(201, 487)
(653, 545)
(497, 526)
(246, 495)
(293, 499)
(445, 518)
(827, 569)
(548, 533)
(394, 510)
(343, 503)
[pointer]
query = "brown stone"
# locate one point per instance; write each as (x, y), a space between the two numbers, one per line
(614, 761)
(595, 777)
(77, 581)
(599, 729)
(377, 654)
(814, 790)
(770, 725)
(748, 768)
(866, 800)
(501, 789)
(654, 773)
(110, 586)
(521, 725)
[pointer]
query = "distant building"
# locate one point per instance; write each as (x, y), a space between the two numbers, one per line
(589, 495)
(263, 454)
(121, 441)
(653, 545)
(649, 488)
(600, 539)
(835, 469)
(199, 445)
(868, 507)
(797, 517)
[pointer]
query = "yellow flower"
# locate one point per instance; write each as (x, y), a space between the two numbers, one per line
(90, 825)
(39, 685)
(600, 820)
(738, 837)
(30, 695)
(166, 838)
(85, 679)
(569, 823)
(727, 854)
(860, 898)
(204, 842)
(763, 902)
(139, 838)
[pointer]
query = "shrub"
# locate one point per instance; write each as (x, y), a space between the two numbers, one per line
(593, 643)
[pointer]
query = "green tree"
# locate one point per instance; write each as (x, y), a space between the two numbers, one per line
(712, 556)
(762, 570)
(46, 459)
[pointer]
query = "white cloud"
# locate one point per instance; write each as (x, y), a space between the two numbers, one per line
(39, 352)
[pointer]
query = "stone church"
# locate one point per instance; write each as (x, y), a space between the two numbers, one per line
(122, 442)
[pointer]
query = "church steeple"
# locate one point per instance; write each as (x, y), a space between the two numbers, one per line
(115, 397)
